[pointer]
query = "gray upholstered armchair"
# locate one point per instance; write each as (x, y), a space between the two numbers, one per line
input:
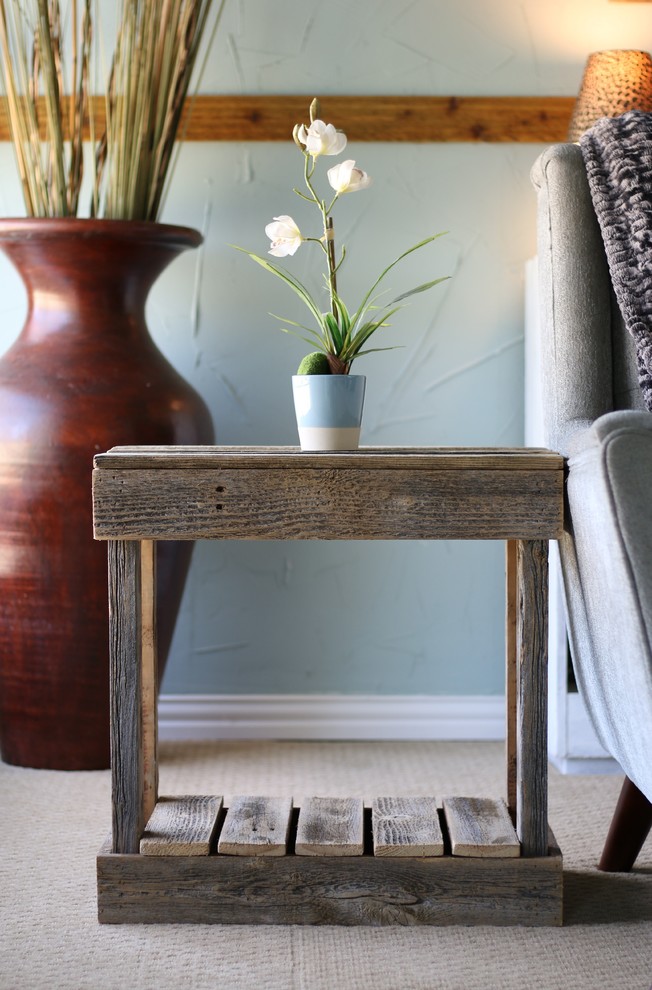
(595, 415)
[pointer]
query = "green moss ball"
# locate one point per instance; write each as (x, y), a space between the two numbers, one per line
(314, 364)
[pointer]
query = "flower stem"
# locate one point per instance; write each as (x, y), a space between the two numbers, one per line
(329, 234)
(307, 175)
(338, 367)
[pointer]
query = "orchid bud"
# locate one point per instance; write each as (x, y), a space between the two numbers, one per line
(295, 136)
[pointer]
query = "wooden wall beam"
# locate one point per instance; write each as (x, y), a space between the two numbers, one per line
(419, 119)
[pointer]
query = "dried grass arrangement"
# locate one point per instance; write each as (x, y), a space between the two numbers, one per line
(49, 103)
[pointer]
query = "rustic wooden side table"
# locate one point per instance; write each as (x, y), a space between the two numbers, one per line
(331, 861)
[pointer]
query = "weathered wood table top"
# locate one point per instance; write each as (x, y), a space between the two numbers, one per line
(145, 494)
(283, 493)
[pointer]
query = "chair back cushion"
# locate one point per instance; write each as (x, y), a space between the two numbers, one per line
(589, 359)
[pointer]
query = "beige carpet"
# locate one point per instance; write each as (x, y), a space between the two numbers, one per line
(52, 824)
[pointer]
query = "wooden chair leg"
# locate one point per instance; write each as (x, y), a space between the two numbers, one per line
(628, 831)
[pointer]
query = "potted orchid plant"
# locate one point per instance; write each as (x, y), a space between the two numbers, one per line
(328, 399)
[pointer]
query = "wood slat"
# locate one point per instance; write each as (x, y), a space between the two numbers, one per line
(480, 827)
(125, 681)
(510, 675)
(300, 503)
(532, 696)
(330, 890)
(370, 458)
(181, 826)
(256, 826)
(406, 826)
(330, 827)
(149, 680)
(418, 119)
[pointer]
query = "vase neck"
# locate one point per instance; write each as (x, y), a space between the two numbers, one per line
(74, 315)
(74, 308)
(88, 276)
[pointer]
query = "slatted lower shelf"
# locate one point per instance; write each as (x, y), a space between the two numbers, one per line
(401, 861)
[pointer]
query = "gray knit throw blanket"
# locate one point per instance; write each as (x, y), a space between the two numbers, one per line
(617, 154)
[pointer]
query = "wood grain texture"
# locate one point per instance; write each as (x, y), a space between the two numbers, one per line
(181, 826)
(532, 696)
(391, 493)
(149, 677)
(125, 674)
(328, 503)
(358, 890)
(480, 827)
(256, 826)
(406, 826)
(510, 676)
(219, 457)
(330, 827)
(418, 119)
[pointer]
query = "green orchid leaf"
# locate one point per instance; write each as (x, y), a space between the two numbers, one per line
(311, 343)
(290, 280)
(415, 247)
(375, 350)
(345, 319)
(344, 322)
(369, 307)
(334, 331)
(419, 288)
(319, 337)
(365, 331)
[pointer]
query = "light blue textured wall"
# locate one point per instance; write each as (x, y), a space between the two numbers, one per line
(361, 617)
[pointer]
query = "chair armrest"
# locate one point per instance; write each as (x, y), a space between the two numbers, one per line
(586, 438)
(608, 577)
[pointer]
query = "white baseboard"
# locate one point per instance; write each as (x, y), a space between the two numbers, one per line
(575, 748)
(311, 716)
(585, 765)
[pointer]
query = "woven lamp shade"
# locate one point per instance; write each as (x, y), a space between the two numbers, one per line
(613, 83)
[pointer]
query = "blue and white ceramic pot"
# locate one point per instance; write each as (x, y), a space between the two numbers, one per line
(329, 410)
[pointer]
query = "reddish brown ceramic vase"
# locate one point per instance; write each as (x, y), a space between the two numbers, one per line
(84, 375)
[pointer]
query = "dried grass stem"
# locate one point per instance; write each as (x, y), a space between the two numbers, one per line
(155, 54)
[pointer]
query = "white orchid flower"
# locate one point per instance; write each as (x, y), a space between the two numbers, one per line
(285, 236)
(345, 177)
(321, 139)
(340, 335)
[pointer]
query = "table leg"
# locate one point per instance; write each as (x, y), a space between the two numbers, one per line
(510, 674)
(149, 686)
(132, 651)
(532, 708)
